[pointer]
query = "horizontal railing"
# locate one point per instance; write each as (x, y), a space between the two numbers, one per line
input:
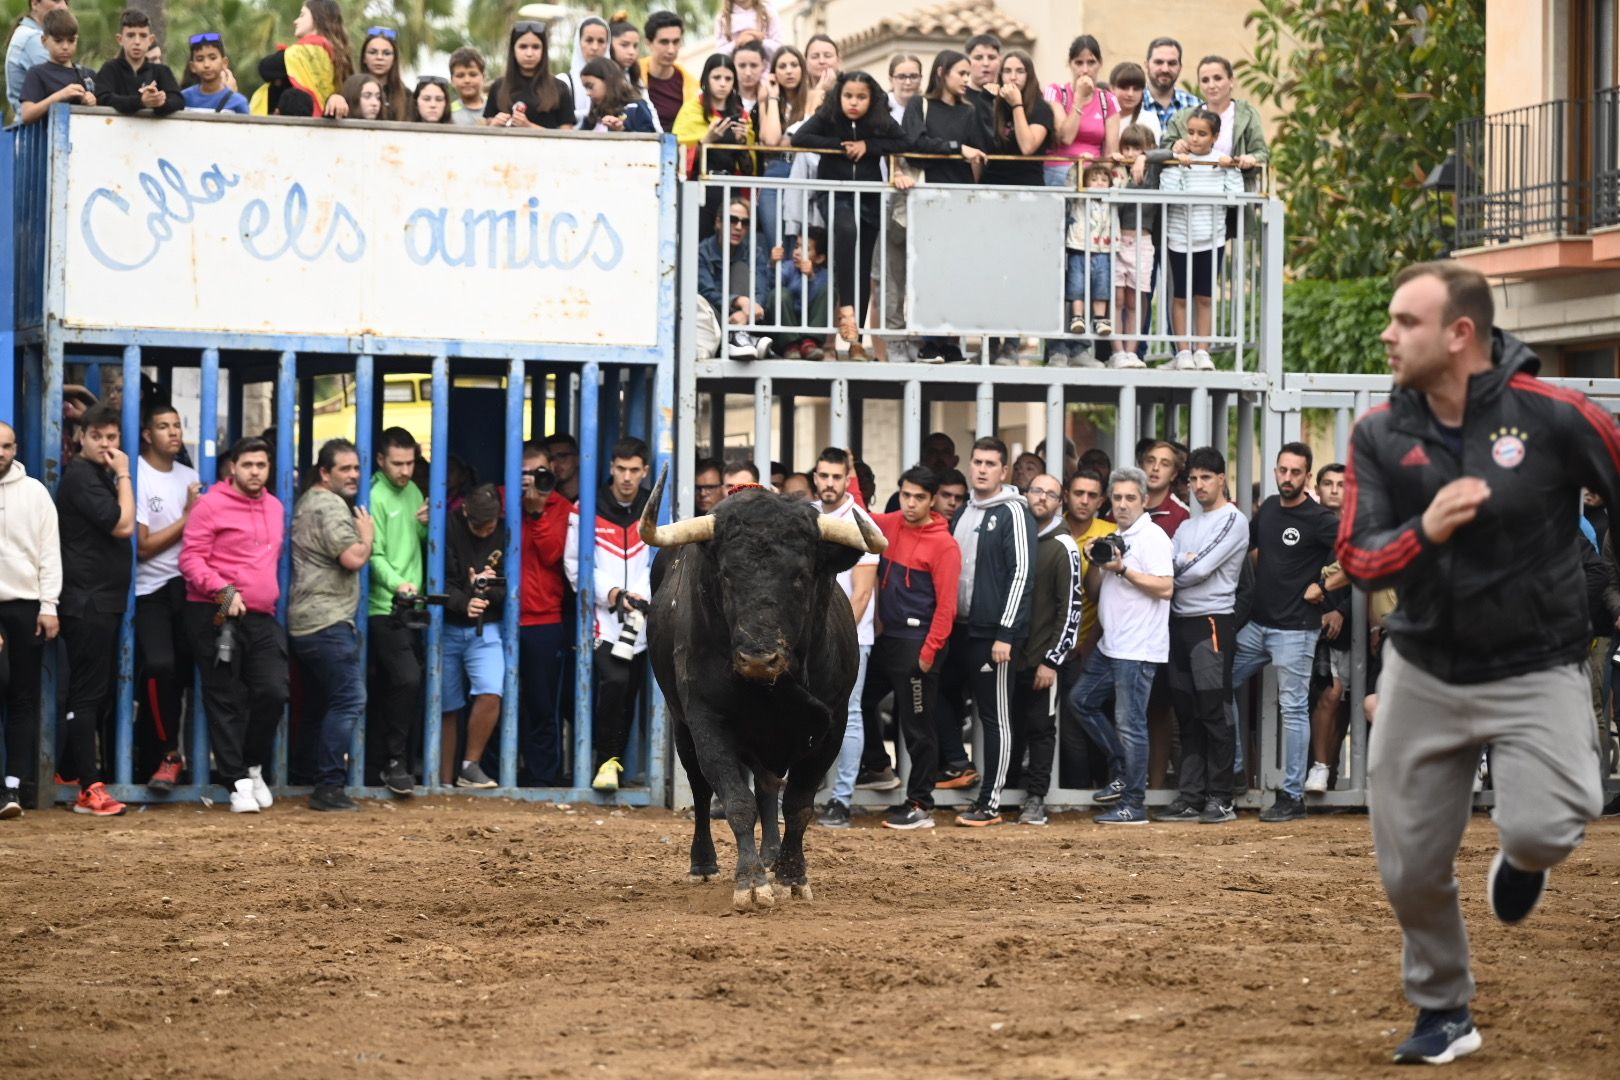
(1525, 173)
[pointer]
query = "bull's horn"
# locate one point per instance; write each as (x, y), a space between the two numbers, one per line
(675, 533)
(862, 534)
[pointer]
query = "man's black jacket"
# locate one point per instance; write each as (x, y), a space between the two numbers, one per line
(1506, 595)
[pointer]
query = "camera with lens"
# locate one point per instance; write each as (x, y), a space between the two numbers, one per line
(633, 613)
(542, 480)
(1105, 549)
(412, 608)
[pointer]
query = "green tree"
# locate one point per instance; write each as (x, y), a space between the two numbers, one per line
(1370, 93)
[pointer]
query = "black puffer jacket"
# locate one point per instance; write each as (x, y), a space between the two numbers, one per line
(1506, 595)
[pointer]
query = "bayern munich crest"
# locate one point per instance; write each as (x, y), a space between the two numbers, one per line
(1507, 447)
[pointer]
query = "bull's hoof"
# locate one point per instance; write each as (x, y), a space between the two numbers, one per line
(700, 874)
(758, 898)
(802, 892)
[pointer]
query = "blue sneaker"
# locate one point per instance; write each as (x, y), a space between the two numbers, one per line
(1514, 893)
(1122, 815)
(1441, 1036)
(1110, 794)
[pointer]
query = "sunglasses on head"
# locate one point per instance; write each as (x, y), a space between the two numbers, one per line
(206, 39)
(530, 27)
(432, 80)
(384, 32)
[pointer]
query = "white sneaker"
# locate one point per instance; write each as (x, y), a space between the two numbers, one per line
(1103, 328)
(1125, 360)
(1201, 360)
(1119, 356)
(1077, 325)
(242, 800)
(1316, 781)
(743, 346)
(261, 790)
(1183, 361)
(1085, 359)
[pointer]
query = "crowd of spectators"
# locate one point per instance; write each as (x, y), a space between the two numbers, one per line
(761, 107)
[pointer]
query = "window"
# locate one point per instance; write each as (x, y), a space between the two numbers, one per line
(1587, 362)
(395, 393)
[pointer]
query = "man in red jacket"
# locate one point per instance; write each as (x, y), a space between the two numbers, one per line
(229, 556)
(542, 640)
(916, 608)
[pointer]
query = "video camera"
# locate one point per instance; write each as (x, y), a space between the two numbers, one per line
(411, 608)
(541, 480)
(1105, 549)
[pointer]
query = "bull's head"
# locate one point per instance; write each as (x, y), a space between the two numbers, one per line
(768, 553)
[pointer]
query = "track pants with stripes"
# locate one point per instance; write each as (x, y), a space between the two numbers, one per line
(990, 685)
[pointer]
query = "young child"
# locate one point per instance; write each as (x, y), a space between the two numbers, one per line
(1092, 230)
(1140, 159)
(130, 82)
(59, 78)
(800, 296)
(430, 102)
(1196, 234)
(741, 21)
(206, 89)
(467, 74)
(613, 104)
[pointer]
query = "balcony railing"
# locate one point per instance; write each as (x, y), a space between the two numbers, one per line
(1525, 173)
(1606, 158)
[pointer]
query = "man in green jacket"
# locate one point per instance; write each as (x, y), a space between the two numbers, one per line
(400, 512)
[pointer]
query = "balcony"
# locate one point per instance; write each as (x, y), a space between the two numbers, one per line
(1538, 188)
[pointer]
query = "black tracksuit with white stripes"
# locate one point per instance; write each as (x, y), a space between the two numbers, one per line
(997, 537)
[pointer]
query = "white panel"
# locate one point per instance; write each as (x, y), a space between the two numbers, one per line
(324, 229)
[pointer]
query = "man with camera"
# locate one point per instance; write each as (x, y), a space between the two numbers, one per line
(95, 504)
(30, 586)
(1132, 571)
(229, 556)
(542, 639)
(1209, 554)
(396, 615)
(331, 542)
(621, 586)
(473, 658)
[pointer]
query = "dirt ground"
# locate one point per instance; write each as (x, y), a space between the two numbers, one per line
(474, 938)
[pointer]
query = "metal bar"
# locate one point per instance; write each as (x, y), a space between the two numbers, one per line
(124, 738)
(589, 399)
(1245, 453)
(838, 414)
(1124, 429)
(911, 423)
(286, 466)
(1198, 418)
(1271, 291)
(512, 567)
(762, 423)
(364, 406)
(8, 282)
(984, 418)
(1221, 415)
(207, 472)
(786, 430)
(438, 478)
(1055, 431)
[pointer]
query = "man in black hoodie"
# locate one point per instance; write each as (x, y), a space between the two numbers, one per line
(475, 540)
(1464, 493)
(994, 595)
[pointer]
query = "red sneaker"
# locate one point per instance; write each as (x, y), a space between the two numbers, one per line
(168, 773)
(96, 801)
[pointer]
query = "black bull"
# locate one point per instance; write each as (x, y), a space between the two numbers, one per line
(753, 644)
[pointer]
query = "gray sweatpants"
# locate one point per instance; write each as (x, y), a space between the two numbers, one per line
(1426, 741)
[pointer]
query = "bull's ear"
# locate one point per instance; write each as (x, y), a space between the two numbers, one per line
(835, 558)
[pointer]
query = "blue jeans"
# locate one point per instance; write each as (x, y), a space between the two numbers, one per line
(1124, 738)
(1293, 652)
(1095, 271)
(334, 691)
(849, 755)
(778, 167)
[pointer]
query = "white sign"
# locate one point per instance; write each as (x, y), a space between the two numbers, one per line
(318, 228)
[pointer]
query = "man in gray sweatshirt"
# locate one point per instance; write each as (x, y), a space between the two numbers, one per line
(1209, 553)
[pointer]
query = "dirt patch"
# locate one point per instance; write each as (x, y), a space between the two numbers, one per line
(493, 939)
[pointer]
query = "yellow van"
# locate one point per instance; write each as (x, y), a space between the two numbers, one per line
(408, 403)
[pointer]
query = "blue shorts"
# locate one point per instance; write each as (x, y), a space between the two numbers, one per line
(1098, 266)
(468, 657)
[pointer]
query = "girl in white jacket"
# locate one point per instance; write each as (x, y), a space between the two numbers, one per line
(1195, 233)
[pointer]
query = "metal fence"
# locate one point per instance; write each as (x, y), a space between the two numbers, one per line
(1525, 173)
(1606, 158)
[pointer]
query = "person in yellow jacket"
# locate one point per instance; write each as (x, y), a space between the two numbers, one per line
(716, 115)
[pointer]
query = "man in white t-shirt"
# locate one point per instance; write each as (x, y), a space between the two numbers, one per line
(1133, 606)
(165, 491)
(833, 473)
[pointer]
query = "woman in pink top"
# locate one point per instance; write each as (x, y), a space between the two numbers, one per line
(1087, 114)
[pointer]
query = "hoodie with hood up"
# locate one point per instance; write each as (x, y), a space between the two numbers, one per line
(997, 538)
(231, 539)
(30, 549)
(1505, 595)
(917, 577)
